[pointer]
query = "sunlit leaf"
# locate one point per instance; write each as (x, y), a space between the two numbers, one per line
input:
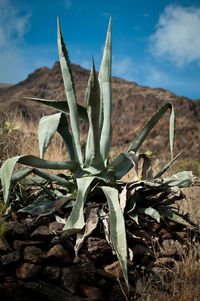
(48, 126)
(8, 167)
(106, 98)
(150, 125)
(92, 98)
(163, 170)
(151, 212)
(76, 221)
(180, 179)
(117, 228)
(61, 105)
(70, 93)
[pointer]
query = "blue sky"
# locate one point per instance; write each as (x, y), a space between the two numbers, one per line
(156, 43)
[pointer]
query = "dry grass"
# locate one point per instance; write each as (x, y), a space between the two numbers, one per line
(24, 141)
(180, 283)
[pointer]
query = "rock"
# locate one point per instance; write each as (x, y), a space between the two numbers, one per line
(87, 272)
(10, 257)
(60, 254)
(33, 223)
(103, 284)
(70, 279)
(3, 271)
(16, 229)
(170, 247)
(42, 232)
(11, 292)
(55, 226)
(175, 226)
(153, 226)
(114, 269)
(115, 293)
(33, 254)
(28, 270)
(104, 274)
(93, 293)
(66, 242)
(4, 246)
(44, 221)
(98, 249)
(140, 250)
(51, 272)
(165, 234)
(18, 244)
(55, 241)
(49, 292)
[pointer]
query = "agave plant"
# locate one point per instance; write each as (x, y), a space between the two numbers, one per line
(93, 172)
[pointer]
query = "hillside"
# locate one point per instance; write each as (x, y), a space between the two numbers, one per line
(133, 105)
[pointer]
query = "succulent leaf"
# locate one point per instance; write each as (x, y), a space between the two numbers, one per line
(106, 98)
(117, 228)
(175, 217)
(48, 126)
(120, 166)
(180, 179)
(92, 100)
(163, 170)
(76, 221)
(61, 105)
(70, 94)
(151, 123)
(8, 167)
(151, 212)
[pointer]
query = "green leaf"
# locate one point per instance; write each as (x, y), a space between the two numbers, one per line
(50, 177)
(8, 167)
(76, 221)
(20, 174)
(151, 123)
(180, 179)
(163, 170)
(61, 105)
(176, 218)
(48, 126)
(117, 228)
(106, 98)
(120, 166)
(151, 212)
(92, 99)
(70, 93)
(33, 181)
(134, 217)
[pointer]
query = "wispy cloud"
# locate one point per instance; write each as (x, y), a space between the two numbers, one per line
(13, 27)
(68, 3)
(177, 37)
(123, 67)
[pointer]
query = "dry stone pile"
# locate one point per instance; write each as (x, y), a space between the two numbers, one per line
(38, 260)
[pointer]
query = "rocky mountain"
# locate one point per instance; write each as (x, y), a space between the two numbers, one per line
(133, 105)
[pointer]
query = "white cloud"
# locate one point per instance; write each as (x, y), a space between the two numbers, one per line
(68, 3)
(177, 37)
(123, 67)
(13, 27)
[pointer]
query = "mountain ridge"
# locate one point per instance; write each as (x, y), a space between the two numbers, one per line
(133, 106)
